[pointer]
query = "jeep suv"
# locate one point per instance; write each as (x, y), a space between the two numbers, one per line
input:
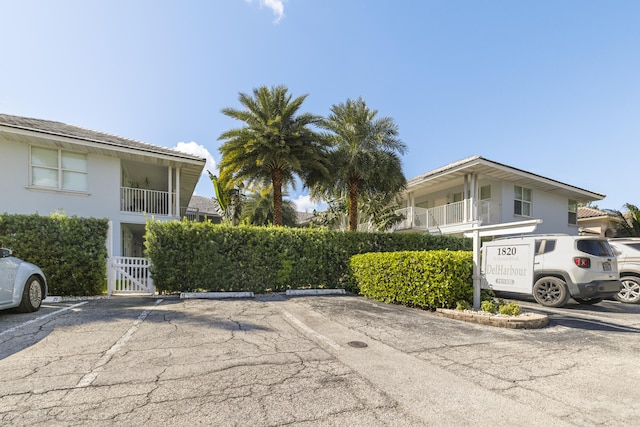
(553, 268)
(627, 251)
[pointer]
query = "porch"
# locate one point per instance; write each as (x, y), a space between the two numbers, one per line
(152, 202)
(436, 220)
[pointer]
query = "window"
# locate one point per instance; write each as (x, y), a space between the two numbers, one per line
(57, 169)
(457, 197)
(522, 201)
(595, 247)
(485, 192)
(573, 212)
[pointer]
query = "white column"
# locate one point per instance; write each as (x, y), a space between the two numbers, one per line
(178, 191)
(465, 198)
(111, 274)
(170, 196)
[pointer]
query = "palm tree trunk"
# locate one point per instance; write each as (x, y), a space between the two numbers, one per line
(276, 179)
(354, 189)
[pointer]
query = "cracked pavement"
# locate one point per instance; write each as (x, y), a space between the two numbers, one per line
(273, 361)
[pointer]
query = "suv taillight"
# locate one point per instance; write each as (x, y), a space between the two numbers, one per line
(582, 262)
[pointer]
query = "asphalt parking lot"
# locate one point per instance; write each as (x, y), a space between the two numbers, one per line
(308, 361)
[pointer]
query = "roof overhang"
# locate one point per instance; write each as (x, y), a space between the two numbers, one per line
(191, 167)
(454, 173)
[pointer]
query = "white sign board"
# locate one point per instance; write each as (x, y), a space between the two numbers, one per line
(507, 267)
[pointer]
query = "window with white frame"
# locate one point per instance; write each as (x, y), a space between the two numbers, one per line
(58, 169)
(522, 201)
(573, 212)
(485, 192)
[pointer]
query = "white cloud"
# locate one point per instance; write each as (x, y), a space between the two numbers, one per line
(204, 187)
(277, 6)
(304, 203)
(198, 150)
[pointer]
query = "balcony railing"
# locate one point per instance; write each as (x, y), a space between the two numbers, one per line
(145, 201)
(441, 216)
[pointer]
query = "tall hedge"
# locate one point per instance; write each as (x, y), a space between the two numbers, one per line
(71, 251)
(426, 279)
(189, 256)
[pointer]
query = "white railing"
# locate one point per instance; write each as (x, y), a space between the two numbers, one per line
(142, 200)
(414, 218)
(440, 216)
(485, 212)
(130, 275)
(453, 213)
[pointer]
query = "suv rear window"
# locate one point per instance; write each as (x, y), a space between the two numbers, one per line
(595, 247)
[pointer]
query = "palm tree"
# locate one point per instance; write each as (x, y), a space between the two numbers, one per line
(230, 199)
(376, 212)
(364, 156)
(274, 145)
(258, 209)
(629, 222)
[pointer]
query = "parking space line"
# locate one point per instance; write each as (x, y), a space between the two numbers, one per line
(37, 319)
(297, 322)
(89, 377)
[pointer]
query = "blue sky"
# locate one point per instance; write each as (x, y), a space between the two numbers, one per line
(548, 86)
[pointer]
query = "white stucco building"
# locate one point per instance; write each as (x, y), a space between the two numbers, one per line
(479, 191)
(47, 166)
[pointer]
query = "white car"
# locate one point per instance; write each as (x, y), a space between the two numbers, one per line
(552, 268)
(627, 251)
(22, 284)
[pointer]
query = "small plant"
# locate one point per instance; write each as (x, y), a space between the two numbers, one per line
(510, 309)
(462, 305)
(488, 306)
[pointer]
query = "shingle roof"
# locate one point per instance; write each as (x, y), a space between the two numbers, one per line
(76, 132)
(205, 205)
(586, 212)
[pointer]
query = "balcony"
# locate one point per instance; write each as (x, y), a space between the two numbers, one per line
(433, 220)
(141, 200)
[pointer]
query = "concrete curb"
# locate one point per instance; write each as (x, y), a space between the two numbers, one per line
(522, 321)
(295, 292)
(215, 295)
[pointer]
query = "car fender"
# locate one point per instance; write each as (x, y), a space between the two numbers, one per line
(25, 270)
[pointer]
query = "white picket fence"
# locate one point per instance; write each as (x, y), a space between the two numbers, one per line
(130, 275)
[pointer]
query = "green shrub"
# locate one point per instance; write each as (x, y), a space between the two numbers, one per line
(71, 251)
(188, 256)
(488, 306)
(426, 279)
(462, 305)
(510, 309)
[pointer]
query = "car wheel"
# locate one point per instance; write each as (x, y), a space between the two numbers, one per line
(551, 292)
(588, 301)
(31, 295)
(630, 292)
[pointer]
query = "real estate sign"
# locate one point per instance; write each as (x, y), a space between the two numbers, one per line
(507, 267)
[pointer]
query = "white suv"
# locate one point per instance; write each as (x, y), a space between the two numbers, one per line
(552, 268)
(627, 251)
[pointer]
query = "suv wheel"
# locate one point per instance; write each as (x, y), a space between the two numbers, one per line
(630, 292)
(551, 292)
